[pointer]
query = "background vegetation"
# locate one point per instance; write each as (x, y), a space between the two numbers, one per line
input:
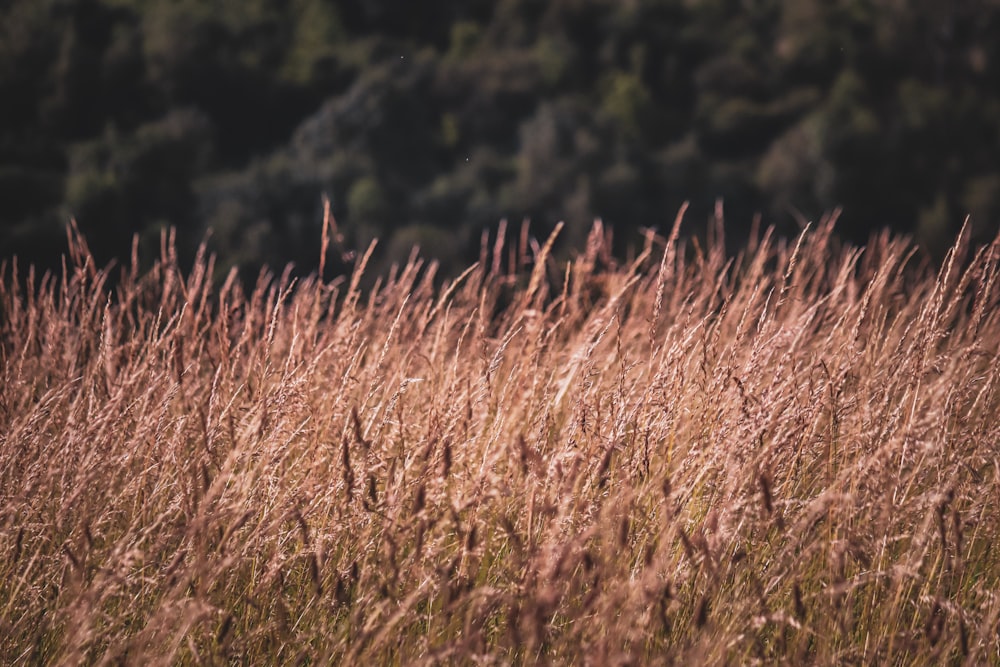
(425, 122)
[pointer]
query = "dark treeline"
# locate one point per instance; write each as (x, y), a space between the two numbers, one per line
(426, 122)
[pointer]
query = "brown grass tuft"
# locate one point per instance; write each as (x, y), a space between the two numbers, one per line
(786, 456)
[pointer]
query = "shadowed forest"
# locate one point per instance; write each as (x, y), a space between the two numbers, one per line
(424, 123)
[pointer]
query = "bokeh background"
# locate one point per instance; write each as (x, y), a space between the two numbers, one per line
(427, 122)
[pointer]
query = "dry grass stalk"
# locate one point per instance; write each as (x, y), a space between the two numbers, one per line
(786, 456)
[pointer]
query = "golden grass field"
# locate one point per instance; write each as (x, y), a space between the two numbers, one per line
(787, 456)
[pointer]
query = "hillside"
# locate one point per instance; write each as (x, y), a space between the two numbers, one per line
(432, 121)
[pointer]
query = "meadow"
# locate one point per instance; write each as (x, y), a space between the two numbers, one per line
(786, 455)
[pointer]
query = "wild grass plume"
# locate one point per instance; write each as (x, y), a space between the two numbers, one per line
(784, 456)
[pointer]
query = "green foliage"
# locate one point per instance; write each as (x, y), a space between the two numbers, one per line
(628, 103)
(465, 37)
(555, 58)
(462, 113)
(981, 198)
(318, 32)
(367, 209)
(120, 184)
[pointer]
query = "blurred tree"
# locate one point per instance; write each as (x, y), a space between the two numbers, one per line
(367, 210)
(239, 117)
(122, 185)
(318, 31)
(628, 104)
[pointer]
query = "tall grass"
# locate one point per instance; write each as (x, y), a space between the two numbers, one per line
(786, 456)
